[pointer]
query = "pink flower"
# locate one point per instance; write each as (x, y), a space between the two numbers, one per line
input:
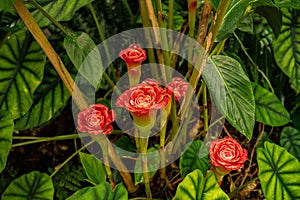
(96, 120)
(142, 98)
(134, 55)
(227, 154)
(177, 87)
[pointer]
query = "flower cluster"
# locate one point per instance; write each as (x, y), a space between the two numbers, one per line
(226, 154)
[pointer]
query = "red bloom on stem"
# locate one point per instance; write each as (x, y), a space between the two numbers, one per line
(227, 154)
(134, 55)
(177, 87)
(96, 120)
(140, 99)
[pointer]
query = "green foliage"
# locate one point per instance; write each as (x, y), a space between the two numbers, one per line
(68, 180)
(290, 140)
(6, 132)
(194, 157)
(279, 172)
(22, 64)
(232, 93)
(286, 47)
(102, 191)
(34, 185)
(195, 186)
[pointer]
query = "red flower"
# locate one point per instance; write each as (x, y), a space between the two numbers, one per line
(227, 154)
(134, 55)
(177, 87)
(96, 120)
(140, 99)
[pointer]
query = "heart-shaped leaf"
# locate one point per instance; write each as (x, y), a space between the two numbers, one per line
(231, 19)
(6, 132)
(102, 191)
(231, 91)
(268, 108)
(195, 157)
(279, 172)
(34, 185)
(82, 51)
(290, 140)
(194, 186)
(93, 168)
(49, 99)
(60, 10)
(22, 67)
(287, 46)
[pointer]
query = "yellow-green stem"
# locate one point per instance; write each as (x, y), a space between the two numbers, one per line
(205, 108)
(144, 147)
(192, 6)
(171, 18)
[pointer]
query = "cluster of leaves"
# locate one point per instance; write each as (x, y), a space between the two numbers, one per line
(259, 69)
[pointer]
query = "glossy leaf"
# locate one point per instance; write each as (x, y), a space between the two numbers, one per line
(6, 132)
(268, 108)
(22, 67)
(153, 165)
(49, 99)
(287, 47)
(193, 158)
(231, 91)
(194, 186)
(279, 172)
(60, 10)
(232, 19)
(290, 140)
(34, 185)
(83, 53)
(102, 191)
(94, 169)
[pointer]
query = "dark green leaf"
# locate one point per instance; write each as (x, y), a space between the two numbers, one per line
(22, 67)
(85, 56)
(279, 172)
(6, 4)
(194, 187)
(6, 132)
(232, 18)
(290, 140)
(102, 191)
(288, 3)
(60, 10)
(195, 157)
(49, 99)
(287, 45)
(268, 108)
(232, 92)
(94, 169)
(153, 165)
(34, 185)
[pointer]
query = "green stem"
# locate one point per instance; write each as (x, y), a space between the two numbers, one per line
(252, 62)
(129, 10)
(104, 148)
(44, 139)
(192, 6)
(46, 14)
(205, 111)
(171, 15)
(162, 136)
(70, 157)
(144, 147)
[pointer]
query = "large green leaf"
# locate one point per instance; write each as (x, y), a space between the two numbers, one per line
(194, 187)
(49, 99)
(6, 4)
(193, 158)
(22, 67)
(290, 140)
(232, 92)
(93, 168)
(279, 172)
(102, 191)
(60, 10)
(288, 3)
(268, 108)
(82, 51)
(231, 19)
(34, 185)
(6, 132)
(287, 46)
